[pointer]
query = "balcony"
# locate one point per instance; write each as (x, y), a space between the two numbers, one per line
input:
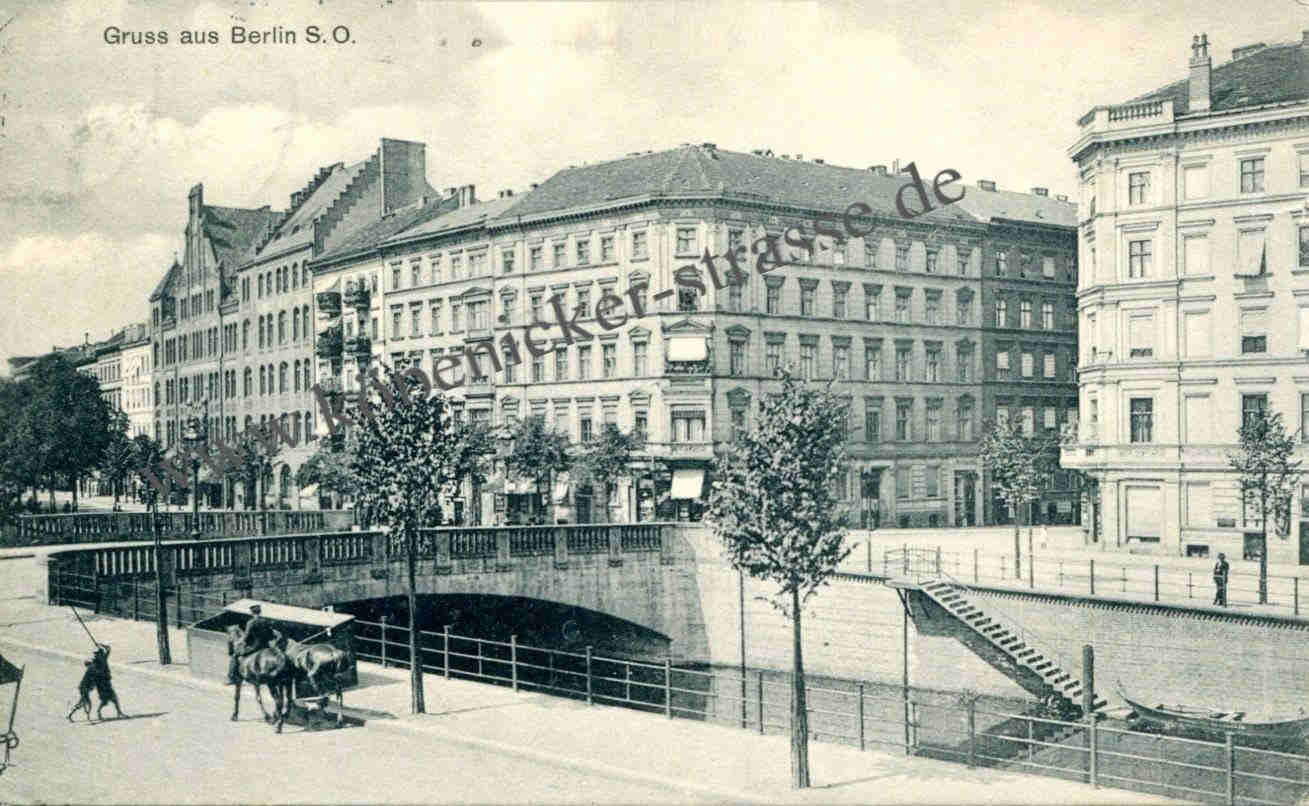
(330, 387)
(681, 450)
(357, 296)
(328, 343)
(359, 346)
(328, 303)
(687, 368)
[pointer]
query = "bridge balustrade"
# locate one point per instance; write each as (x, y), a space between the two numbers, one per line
(356, 547)
(99, 527)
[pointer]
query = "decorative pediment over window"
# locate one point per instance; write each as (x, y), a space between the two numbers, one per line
(474, 292)
(738, 397)
(738, 332)
(689, 327)
(638, 333)
(636, 277)
(639, 396)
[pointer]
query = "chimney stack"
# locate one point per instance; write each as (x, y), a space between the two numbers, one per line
(1061, 197)
(1040, 191)
(1200, 66)
(895, 166)
(467, 196)
(880, 170)
(986, 184)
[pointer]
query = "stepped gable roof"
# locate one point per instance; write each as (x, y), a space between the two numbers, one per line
(297, 229)
(233, 232)
(468, 215)
(1274, 74)
(709, 171)
(372, 234)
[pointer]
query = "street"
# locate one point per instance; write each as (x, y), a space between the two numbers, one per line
(178, 746)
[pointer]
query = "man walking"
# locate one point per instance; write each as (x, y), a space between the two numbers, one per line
(258, 634)
(1220, 580)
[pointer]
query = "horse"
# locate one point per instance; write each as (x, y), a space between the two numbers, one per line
(269, 667)
(322, 664)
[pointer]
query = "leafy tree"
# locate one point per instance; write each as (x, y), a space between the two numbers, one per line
(774, 504)
(608, 457)
(119, 460)
(329, 468)
(408, 457)
(1020, 467)
(66, 420)
(539, 452)
(246, 458)
(1268, 476)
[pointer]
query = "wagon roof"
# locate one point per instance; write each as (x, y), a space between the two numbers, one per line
(281, 612)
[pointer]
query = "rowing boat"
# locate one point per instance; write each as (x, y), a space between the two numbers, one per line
(1214, 721)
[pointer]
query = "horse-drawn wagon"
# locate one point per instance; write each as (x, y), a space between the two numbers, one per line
(206, 640)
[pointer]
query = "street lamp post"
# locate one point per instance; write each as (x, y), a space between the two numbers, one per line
(194, 436)
(161, 601)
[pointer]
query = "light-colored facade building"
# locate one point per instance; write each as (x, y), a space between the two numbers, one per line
(895, 316)
(137, 374)
(1194, 300)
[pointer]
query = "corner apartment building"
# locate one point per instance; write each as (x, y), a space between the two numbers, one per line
(190, 350)
(137, 373)
(1194, 306)
(270, 330)
(895, 316)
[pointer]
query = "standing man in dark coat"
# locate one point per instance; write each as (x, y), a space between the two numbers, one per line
(1221, 569)
(258, 635)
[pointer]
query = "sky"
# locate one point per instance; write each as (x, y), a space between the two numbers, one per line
(100, 142)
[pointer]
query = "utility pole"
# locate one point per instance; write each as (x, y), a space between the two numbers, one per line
(161, 601)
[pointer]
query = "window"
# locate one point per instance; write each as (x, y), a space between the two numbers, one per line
(934, 421)
(606, 249)
(902, 356)
(735, 238)
(609, 359)
(1304, 169)
(1252, 175)
(1195, 181)
(639, 356)
(397, 313)
(933, 364)
(584, 362)
(1195, 256)
(583, 251)
(1304, 420)
(1049, 366)
(1142, 413)
(1025, 314)
(538, 368)
(872, 303)
(736, 358)
(1196, 333)
(1029, 421)
(1001, 313)
(1250, 254)
(838, 252)
(688, 299)
(506, 261)
(1027, 364)
(932, 481)
(902, 487)
(773, 299)
(738, 424)
(1138, 258)
(808, 361)
(1047, 315)
(1138, 187)
(932, 309)
(536, 258)
(931, 261)
(841, 362)
(873, 361)
(807, 293)
(1001, 361)
(963, 308)
(902, 298)
(640, 246)
(395, 276)
(415, 273)
(961, 259)
(872, 421)
(1047, 267)
(1254, 331)
(838, 301)
(415, 319)
(558, 256)
(435, 307)
(1001, 263)
(686, 240)
(456, 316)
(456, 267)
(561, 363)
(688, 426)
(964, 420)
(1140, 336)
(902, 257)
(963, 363)
(1253, 408)
(903, 430)
(1304, 247)
(773, 357)
(583, 303)
(871, 248)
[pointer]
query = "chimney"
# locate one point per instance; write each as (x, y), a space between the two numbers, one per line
(296, 198)
(1199, 83)
(986, 184)
(819, 160)
(467, 196)
(1061, 197)
(1040, 191)
(1247, 50)
(799, 156)
(709, 146)
(880, 170)
(403, 168)
(535, 185)
(196, 200)
(450, 193)
(895, 166)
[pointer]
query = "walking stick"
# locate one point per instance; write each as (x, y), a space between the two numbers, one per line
(83, 623)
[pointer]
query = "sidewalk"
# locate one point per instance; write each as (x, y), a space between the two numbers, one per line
(723, 764)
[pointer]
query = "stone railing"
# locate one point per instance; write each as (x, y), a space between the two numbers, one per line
(1144, 109)
(115, 526)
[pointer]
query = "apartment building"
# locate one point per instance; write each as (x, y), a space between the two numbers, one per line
(894, 315)
(1194, 308)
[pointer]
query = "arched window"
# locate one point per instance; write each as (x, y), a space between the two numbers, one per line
(304, 321)
(688, 297)
(281, 378)
(245, 334)
(295, 427)
(309, 424)
(248, 421)
(307, 384)
(295, 326)
(156, 392)
(262, 387)
(295, 377)
(281, 327)
(249, 376)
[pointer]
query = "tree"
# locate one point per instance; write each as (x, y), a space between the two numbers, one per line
(408, 457)
(1268, 477)
(247, 459)
(66, 420)
(774, 504)
(539, 452)
(329, 468)
(1020, 468)
(608, 457)
(120, 455)
(149, 460)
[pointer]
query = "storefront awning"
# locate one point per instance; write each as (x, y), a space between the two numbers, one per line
(687, 483)
(688, 348)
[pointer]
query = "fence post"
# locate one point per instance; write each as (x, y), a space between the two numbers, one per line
(972, 732)
(904, 551)
(627, 684)
(868, 546)
(383, 640)
(178, 608)
(668, 687)
(588, 674)
(1031, 570)
(761, 703)
(938, 561)
(513, 659)
(1092, 576)
(861, 716)
(1188, 584)
(1295, 585)
(445, 651)
(1095, 757)
(974, 565)
(479, 657)
(1124, 579)
(1230, 763)
(1156, 582)
(886, 570)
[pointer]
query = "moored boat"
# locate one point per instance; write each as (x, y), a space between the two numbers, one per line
(1214, 721)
